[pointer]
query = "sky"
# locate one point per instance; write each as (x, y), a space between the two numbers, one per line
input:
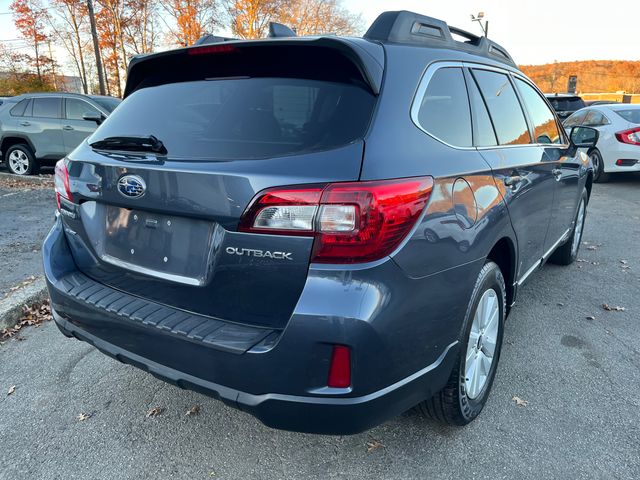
(534, 32)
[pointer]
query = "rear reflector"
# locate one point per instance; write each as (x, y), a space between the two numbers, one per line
(340, 368)
(352, 222)
(631, 136)
(623, 162)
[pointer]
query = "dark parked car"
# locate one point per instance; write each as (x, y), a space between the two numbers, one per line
(41, 128)
(565, 104)
(323, 232)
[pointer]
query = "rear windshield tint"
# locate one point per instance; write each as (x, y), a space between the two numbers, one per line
(566, 104)
(244, 118)
(631, 115)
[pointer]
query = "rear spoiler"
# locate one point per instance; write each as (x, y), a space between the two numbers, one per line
(366, 56)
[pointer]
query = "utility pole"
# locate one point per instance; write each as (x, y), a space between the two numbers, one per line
(485, 27)
(53, 66)
(96, 46)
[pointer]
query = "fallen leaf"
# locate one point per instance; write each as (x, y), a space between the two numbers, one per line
(592, 247)
(520, 402)
(623, 262)
(609, 308)
(32, 316)
(560, 304)
(373, 444)
(12, 389)
(195, 410)
(84, 416)
(590, 317)
(155, 411)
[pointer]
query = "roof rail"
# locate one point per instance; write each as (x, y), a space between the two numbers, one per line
(415, 29)
(278, 30)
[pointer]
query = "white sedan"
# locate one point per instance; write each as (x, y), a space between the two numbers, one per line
(618, 148)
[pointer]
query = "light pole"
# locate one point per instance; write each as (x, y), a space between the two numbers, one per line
(478, 18)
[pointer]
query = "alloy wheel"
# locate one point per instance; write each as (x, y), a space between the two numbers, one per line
(481, 345)
(19, 162)
(577, 233)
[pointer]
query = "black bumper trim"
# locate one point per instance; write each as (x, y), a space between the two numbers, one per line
(221, 335)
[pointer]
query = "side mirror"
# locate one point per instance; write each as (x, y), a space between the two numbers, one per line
(584, 137)
(93, 117)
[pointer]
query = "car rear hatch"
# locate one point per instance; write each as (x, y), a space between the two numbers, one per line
(158, 217)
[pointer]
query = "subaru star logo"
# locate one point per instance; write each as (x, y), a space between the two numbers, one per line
(131, 186)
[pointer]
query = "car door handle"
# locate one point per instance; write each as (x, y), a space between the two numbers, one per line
(512, 181)
(25, 124)
(67, 127)
(557, 173)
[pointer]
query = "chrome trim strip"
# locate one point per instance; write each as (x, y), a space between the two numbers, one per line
(152, 273)
(544, 258)
(564, 237)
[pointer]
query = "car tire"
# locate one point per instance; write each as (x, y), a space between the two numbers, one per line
(20, 160)
(567, 253)
(462, 400)
(599, 175)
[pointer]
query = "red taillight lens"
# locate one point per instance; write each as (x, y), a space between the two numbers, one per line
(631, 136)
(352, 222)
(340, 368)
(61, 182)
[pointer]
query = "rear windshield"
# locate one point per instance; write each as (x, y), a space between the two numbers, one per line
(566, 104)
(244, 118)
(631, 115)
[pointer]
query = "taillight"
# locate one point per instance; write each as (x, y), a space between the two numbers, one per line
(631, 136)
(61, 182)
(352, 222)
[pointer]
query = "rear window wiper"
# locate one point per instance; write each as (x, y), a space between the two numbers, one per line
(147, 143)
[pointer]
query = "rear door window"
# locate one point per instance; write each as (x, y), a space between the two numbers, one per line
(504, 107)
(244, 118)
(47, 107)
(444, 109)
(576, 119)
(483, 133)
(545, 128)
(595, 119)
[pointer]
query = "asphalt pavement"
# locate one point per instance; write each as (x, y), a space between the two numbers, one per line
(575, 364)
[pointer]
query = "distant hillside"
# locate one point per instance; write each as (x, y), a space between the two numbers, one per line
(593, 75)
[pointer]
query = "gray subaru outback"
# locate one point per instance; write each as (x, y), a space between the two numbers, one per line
(40, 128)
(322, 231)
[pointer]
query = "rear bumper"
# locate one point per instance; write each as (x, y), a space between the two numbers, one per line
(339, 416)
(279, 376)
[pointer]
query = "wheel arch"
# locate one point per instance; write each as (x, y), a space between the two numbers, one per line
(11, 140)
(503, 253)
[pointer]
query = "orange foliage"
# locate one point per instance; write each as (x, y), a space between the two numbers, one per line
(593, 76)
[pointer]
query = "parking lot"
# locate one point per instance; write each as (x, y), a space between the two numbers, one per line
(575, 365)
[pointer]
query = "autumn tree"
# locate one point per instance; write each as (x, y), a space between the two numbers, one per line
(29, 19)
(312, 17)
(69, 23)
(190, 19)
(250, 18)
(141, 28)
